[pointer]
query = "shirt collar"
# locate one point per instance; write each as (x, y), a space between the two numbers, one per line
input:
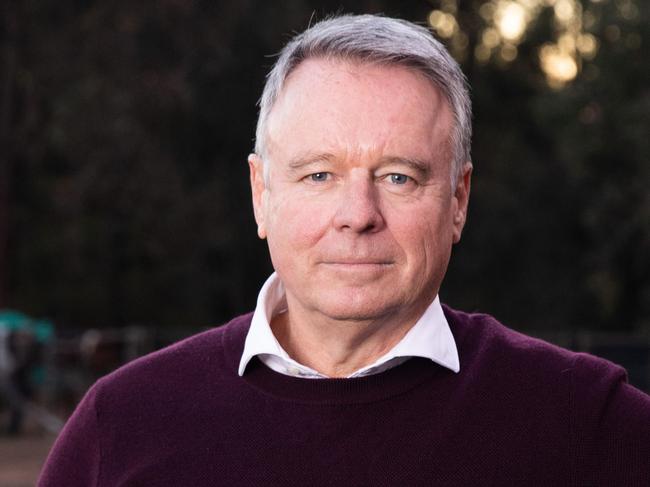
(430, 338)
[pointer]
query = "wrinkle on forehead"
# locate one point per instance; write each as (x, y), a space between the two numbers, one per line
(353, 87)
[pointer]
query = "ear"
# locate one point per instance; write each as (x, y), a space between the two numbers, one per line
(258, 189)
(461, 200)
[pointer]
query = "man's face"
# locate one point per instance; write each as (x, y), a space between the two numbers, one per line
(358, 209)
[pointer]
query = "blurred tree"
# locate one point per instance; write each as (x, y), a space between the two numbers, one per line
(124, 130)
(560, 212)
(8, 69)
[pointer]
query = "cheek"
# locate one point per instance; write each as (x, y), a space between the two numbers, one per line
(296, 223)
(424, 239)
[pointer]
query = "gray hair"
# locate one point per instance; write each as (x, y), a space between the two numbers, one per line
(381, 40)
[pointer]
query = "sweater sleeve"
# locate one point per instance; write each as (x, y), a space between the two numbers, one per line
(74, 460)
(612, 421)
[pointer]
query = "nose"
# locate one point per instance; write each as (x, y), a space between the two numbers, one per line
(359, 206)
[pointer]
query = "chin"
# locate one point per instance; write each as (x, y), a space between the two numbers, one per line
(357, 308)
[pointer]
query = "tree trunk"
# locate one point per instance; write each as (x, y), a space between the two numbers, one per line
(6, 95)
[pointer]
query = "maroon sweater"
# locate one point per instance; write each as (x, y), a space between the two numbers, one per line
(520, 412)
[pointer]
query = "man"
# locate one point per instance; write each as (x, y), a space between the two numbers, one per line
(350, 371)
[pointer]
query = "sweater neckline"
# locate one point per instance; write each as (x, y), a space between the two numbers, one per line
(356, 390)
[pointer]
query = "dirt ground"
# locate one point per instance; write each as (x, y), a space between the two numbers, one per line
(21, 459)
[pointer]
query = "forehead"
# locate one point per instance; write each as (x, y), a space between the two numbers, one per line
(358, 108)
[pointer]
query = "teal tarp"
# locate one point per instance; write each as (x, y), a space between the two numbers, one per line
(15, 320)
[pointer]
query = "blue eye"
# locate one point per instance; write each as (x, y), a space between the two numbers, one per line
(398, 178)
(319, 177)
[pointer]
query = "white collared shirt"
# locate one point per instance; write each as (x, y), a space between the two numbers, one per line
(430, 338)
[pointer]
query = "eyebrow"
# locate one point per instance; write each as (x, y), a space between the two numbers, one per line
(422, 167)
(308, 159)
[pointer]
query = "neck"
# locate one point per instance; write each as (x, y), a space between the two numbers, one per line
(337, 348)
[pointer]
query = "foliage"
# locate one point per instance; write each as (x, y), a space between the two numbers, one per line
(131, 121)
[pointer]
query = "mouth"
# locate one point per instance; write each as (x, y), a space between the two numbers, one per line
(357, 264)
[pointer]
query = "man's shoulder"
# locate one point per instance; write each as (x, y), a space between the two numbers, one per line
(583, 403)
(482, 339)
(207, 355)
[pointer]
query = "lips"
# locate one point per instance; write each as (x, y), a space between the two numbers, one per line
(357, 265)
